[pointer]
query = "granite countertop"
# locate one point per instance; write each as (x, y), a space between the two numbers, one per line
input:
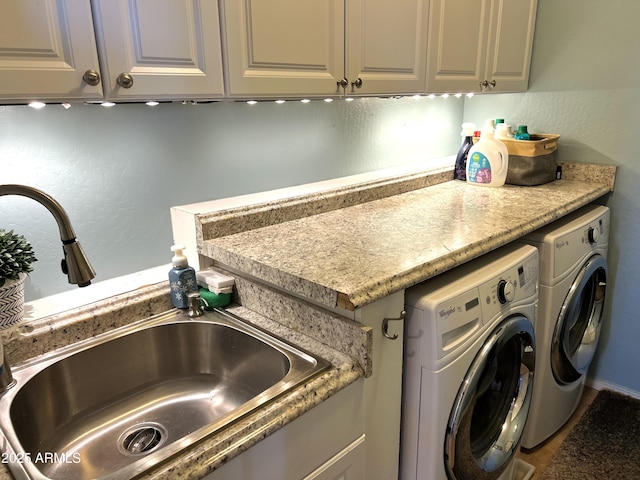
(352, 256)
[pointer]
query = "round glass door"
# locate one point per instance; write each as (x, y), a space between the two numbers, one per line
(577, 330)
(490, 410)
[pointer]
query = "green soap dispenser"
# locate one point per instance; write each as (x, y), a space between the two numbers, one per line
(182, 278)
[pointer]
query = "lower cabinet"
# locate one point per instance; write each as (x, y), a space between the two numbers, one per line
(326, 443)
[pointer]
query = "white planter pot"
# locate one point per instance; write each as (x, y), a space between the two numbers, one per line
(12, 301)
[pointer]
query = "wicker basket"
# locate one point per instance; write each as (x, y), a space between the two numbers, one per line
(12, 301)
(532, 162)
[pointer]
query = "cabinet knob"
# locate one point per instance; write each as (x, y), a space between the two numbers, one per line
(125, 80)
(91, 77)
(487, 84)
(343, 83)
(357, 83)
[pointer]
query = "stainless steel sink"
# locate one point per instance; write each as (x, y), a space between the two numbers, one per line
(116, 405)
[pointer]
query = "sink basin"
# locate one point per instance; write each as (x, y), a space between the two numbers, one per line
(120, 403)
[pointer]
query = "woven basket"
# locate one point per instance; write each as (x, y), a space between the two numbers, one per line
(12, 301)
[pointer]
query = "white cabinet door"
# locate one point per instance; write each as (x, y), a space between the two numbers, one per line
(386, 46)
(349, 464)
(510, 45)
(293, 48)
(284, 47)
(155, 51)
(480, 46)
(325, 443)
(46, 47)
(457, 45)
(383, 389)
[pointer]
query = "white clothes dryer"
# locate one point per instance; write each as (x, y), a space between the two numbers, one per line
(573, 277)
(469, 364)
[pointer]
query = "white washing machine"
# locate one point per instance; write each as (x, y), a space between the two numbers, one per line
(573, 276)
(469, 362)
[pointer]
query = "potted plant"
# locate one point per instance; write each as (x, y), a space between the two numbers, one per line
(16, 257)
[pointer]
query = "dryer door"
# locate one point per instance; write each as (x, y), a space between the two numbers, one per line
(577, 329)
(492, 405)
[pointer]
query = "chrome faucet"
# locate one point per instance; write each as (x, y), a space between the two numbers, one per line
(74, 264)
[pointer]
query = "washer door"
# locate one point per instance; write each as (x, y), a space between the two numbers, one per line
(577, 329)
(492, 405)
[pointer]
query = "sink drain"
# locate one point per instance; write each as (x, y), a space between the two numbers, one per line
(141, 439)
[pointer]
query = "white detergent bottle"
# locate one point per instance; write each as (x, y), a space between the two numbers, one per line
(488, 160)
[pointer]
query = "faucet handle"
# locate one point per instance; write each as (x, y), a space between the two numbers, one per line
(195, 305)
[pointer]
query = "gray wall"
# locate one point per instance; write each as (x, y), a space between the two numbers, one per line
(117, 171)
(585, 85)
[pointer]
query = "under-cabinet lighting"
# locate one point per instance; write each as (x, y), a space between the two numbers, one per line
(66, 105)
(431, 96)
(279, 102)
(349, 99)
(305, 100)
(417, 96)
(153, 103)
(470, 94)
(37, 105)
(445, 95)
(458, 95)
(328, 100)
(108, 104)
(251, 102)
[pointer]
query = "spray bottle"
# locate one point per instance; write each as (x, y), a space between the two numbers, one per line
(182, 278)
(460, 172)
(488, 160)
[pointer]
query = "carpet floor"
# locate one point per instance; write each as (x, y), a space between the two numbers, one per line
(604, 445)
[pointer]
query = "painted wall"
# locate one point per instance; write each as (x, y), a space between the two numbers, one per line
(585, 85)
(118, 171)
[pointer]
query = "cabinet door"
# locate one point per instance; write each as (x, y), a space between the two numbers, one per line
(510, 44)
(284, 47)
(170, 50)
(387, 46)
(383, 389)
(457, 45)
(348, 464)
(45, 49)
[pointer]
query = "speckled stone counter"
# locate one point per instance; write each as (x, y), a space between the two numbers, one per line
(350, 257)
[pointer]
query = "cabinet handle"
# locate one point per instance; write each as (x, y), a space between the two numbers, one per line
(487, 84)
(343, 83)
(357, 83)
(91, 77)
(385, 325)
(125, 80)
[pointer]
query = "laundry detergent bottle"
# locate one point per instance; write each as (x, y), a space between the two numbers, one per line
(488, 160)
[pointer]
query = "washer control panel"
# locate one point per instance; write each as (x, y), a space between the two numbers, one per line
(517, 283)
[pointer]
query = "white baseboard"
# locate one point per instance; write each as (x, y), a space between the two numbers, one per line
(603, 385)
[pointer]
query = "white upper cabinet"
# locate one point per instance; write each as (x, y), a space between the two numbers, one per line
(480, 46)
(386, 47)
(280, 47)
(294, 48)
(155, 51)
(46, 47)
(510, 44)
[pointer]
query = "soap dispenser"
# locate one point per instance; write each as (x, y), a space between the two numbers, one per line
(182, 278)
